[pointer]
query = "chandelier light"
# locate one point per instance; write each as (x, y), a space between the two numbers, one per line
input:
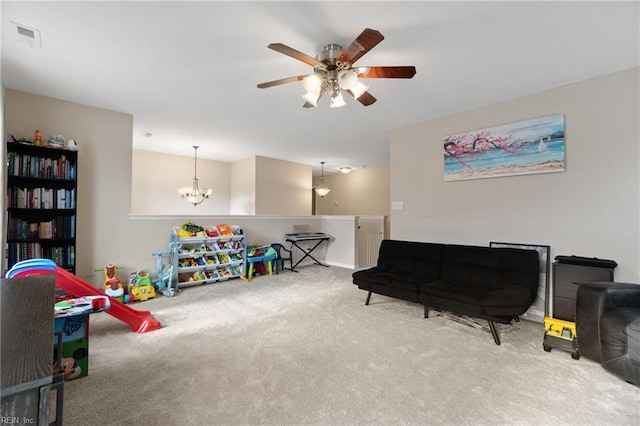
(194, 194)
(322, 189)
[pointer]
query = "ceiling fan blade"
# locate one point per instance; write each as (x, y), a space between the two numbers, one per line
(289, 51)
(281, 81)
(388, 72)
(366, 41)
(365, 99)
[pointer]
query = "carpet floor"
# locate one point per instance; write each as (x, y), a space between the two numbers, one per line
(303, 349)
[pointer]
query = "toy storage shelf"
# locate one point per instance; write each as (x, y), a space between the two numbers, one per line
(41, 196)
(204, 260)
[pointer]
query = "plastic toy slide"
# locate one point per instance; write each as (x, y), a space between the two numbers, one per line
(139, 321)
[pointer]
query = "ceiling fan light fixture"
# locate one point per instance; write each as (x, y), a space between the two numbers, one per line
(359, 89)
(312, 83)
(333, 70)
(312, 98)
(337, 101)
(347, 79)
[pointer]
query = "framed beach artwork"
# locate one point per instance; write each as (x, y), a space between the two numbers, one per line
(521, 148)
(538, 309)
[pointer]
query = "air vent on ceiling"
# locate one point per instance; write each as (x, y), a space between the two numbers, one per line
(28, 36)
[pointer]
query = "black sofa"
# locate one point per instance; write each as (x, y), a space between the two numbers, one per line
(608, 326)
(496, 284)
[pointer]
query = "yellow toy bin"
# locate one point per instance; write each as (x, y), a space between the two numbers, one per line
(560, 334)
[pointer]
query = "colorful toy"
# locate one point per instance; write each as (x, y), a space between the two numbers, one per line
(139, 321)
(189, 229)
(212, 232)
(167, 282)
(223, 272)
(560, 334)
(257, 257)
(71, 322)
(188, 262)
(81, 305)
(112, 285)
(224, 230)
(140, 286)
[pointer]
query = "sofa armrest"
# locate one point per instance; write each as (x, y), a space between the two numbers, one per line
(621, 295)
(593, 299)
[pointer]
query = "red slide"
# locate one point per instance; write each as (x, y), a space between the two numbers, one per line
(139, 321)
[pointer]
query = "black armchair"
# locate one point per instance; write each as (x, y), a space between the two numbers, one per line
(284, 255)
(608, 327)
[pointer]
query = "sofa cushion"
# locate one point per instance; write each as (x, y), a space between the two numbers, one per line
(613, 331)
(519, 266)
(458, 291)
(394, 280)
(455, 297)
(411, 259)
(507, 300)
(477, 266)
(615, 343)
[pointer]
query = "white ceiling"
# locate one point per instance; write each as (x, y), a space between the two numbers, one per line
(187, 72)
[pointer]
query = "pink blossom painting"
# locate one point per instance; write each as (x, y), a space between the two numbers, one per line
(525, 147)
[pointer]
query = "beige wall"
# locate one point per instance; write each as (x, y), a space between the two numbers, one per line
(156, 178)
(282, 187)
(361, 192)
(591, 209)
(243, 187)
(256, 185)
(104, 169)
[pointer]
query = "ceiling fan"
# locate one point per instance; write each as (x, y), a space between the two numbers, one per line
(334, 71)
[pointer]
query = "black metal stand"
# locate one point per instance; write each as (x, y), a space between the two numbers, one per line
(307, 253)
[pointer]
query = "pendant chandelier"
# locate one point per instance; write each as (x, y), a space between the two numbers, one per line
(322, 189)
(194, 194)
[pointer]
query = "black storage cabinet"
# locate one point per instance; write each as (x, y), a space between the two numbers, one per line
(568, 273)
